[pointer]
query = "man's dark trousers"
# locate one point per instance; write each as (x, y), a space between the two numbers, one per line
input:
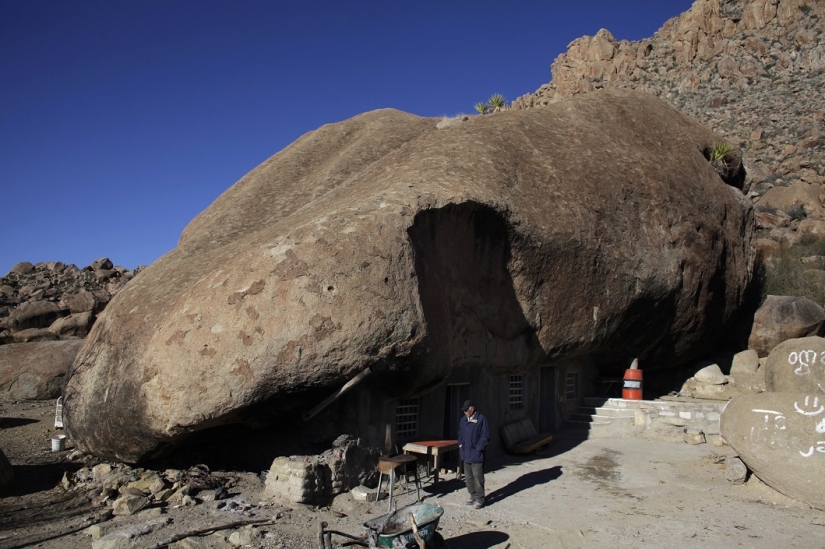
(474, 476)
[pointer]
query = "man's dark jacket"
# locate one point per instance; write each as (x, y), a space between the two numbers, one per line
(473, 438)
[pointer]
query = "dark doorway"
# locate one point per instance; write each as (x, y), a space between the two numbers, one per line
(456, 395)
(547, 399)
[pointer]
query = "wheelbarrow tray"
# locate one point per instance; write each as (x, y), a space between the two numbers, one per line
(398, 531)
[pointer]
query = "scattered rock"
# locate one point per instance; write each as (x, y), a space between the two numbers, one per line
(362, 493)
(694, 436)
(215, 541)
(129, 504)
(711, 374)
(717, 441)
(101, 470)
(344, 504)
(736, 472)
(123, 538)
(745, 363)
(247, 535)
(95, 531)
(785, 317)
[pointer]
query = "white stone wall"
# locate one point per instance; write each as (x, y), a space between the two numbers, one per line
(673, 417)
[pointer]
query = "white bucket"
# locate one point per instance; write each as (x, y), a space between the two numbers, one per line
(58, 443)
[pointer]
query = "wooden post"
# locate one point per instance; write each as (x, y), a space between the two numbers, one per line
(330, 399)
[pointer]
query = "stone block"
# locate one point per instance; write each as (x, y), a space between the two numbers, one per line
(745, 363)
(694, 436)
(129, 504)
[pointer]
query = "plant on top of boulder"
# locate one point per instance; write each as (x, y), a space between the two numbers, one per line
(727, 162)
(481, 108)
(497, 101)
(719, 155)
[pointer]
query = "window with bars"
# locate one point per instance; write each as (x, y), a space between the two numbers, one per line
(406, 418)
(571, 385)
(516, 392)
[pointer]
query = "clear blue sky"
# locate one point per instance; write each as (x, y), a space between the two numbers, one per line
(121, 120)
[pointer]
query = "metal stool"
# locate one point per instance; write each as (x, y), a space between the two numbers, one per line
(387, 466)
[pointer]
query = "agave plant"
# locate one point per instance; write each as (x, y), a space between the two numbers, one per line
(719, 156)
(497, 101)
(481, 108)
(720, 152)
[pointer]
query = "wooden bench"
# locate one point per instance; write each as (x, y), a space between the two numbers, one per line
(520, 437)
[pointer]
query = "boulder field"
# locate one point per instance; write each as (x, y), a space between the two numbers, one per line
(36, 370)
(595, 226)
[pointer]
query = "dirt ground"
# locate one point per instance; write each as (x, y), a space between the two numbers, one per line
(603, 492)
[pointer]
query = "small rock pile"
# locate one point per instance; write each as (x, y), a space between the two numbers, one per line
(125, 494)
(51, 300)
(117, 489)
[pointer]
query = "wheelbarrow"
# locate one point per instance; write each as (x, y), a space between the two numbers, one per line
(396, 530)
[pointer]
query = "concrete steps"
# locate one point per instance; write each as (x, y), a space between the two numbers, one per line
(599, 417)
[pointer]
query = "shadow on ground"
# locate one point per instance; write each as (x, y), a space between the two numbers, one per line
(524, 482)
(478, 540)
(7, 422)
(54, 513)
(29, 479)
(443, 487)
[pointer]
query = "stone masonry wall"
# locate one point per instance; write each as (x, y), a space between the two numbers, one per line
(671, 419)
(318, 478)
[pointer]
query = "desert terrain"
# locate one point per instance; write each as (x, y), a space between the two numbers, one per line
(601, 492)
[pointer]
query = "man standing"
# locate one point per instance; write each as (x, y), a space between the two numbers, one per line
(473, 438)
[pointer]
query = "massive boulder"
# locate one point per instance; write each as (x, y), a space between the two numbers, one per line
(595, 226)
(37, 370)
(780, 438)
(797, 366)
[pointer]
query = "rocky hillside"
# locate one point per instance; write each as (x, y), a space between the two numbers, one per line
(53, 300)
(752, 70)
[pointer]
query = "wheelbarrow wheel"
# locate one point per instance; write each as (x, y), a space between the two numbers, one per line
(435, 542)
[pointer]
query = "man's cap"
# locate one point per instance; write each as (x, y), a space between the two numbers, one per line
(467, 405)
